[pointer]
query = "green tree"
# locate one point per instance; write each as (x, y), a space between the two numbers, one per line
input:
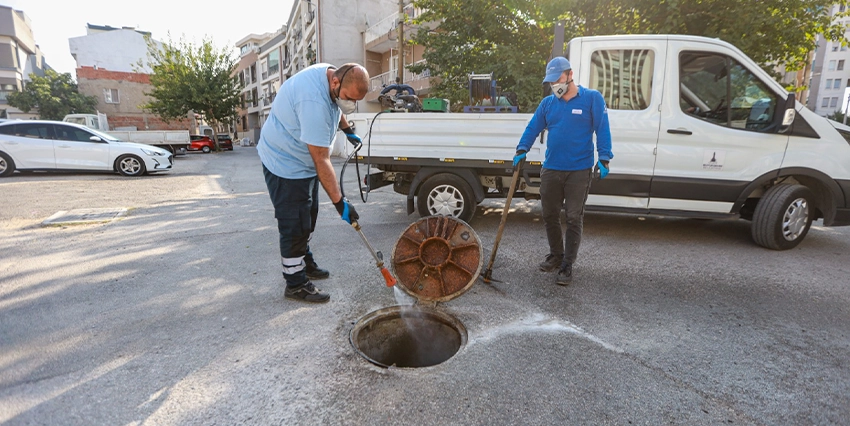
(513, 38)
(54, 96)
(186, 77)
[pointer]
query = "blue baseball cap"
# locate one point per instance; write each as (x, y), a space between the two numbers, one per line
(555, 68)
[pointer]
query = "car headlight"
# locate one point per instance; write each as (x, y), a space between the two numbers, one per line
(152, 153)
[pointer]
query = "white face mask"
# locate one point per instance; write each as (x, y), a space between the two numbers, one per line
(559, 89)
(347, 106)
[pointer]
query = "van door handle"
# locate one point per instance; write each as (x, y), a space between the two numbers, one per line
(679, 132)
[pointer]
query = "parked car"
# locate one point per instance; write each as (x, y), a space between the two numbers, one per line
(225, 142)
(201, 143)
(54, 145)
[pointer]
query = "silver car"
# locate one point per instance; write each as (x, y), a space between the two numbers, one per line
(56, 145)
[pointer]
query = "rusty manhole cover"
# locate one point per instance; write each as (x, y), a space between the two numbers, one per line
(437, 258)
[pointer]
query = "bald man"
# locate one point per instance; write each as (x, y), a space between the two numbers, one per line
(294, 147)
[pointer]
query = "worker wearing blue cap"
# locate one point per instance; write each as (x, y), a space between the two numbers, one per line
(571, 114)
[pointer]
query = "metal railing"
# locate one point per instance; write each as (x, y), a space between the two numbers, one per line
(390, 23)
(378, 82)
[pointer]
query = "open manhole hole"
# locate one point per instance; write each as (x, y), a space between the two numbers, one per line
(408, 337)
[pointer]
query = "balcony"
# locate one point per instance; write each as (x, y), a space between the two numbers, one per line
(377, 37)
(379, 81)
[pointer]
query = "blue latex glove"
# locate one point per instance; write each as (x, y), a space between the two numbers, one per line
(353, 138)
(520, 155)
(346, 210)
(602, 169)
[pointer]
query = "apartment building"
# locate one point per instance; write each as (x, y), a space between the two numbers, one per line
(19, 57)
(112, 67)
(830, 78)
(248, 122)
(384, 56)
(330, 31)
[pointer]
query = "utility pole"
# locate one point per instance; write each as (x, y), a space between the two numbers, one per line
(400, 33)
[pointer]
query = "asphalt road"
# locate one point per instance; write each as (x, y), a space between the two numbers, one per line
(175, 315)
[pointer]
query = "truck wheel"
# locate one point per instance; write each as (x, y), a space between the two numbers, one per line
(783, 217)
(130, 165)
(206, 150)
(446, 194)
(7, 165)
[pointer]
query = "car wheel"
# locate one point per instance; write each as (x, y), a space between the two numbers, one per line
(7, 165)
(783, 217)
(206, 150)
(130, 165)
(446, 194)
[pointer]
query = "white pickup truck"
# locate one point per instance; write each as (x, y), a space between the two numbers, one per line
(698, 129)
(175, 141)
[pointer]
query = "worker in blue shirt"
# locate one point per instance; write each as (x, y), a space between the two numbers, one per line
(572, 114)
(294, 147)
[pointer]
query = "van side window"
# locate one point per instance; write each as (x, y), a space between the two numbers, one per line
(718, 89)
(624, 77)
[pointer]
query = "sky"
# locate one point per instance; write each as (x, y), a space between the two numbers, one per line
(55, 21)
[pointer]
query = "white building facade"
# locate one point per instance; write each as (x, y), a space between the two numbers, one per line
(830, 79)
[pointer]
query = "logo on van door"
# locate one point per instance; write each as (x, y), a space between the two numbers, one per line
(713, 160)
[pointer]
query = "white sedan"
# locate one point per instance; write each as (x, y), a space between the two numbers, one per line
(55, 145)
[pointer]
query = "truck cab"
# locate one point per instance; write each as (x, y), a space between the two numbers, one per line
(92, 121)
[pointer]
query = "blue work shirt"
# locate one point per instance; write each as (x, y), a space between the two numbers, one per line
(571, 125)
(302, 114)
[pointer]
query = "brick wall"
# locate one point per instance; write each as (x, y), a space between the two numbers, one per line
(102, 74)
(131, 93)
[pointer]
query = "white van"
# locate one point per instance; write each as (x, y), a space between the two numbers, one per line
(697, 131)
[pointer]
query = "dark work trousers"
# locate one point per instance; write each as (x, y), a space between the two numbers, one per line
(296, 207)
(567, 190)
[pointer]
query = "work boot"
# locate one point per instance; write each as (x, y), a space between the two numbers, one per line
(314, 272)
(565, 275)
(306, 292)
(551, 263)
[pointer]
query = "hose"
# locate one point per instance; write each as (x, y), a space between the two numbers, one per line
(364, 195)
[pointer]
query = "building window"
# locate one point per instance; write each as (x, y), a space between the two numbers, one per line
(825, 103)
(829, 83)
(831, 66)
(833, 102)
(835, 48)
(841, 65)
(837, 84)
(110, 96)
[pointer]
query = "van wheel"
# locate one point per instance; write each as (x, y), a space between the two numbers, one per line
(446, 194)
(783, 217)
(130, 165)
(7, 165)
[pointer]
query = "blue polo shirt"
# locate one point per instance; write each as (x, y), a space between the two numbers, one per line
(302, 114)
(571, 126)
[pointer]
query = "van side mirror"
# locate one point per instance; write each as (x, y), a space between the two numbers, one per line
(788, 114)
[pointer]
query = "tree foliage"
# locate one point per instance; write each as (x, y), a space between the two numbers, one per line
(186, 77)
(54, 96)
(513, 38)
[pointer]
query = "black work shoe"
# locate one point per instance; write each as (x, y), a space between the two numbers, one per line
(314, 272)
(307, 292)
(551, 263)
(565, 275)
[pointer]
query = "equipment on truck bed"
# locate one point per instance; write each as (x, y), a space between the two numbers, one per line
(399, 101)
(484, 96)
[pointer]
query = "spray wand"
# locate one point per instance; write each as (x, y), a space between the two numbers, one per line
(379, 257)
